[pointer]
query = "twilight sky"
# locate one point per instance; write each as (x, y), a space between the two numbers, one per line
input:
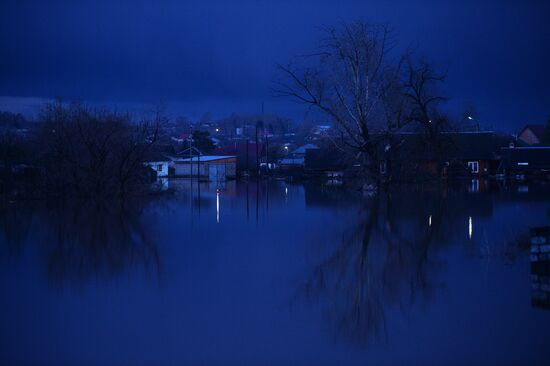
(219, 56)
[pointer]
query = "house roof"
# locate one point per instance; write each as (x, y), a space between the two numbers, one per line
(302, 149)
(204, 158)
(475, 145)
(292, 161)
(189, 151)
(156, 153)
(537, 130)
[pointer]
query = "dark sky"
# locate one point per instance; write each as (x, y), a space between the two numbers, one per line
(219, 56)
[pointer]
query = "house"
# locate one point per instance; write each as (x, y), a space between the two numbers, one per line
(476, 152)
(458, 154)
(328, 162)
(532, 134)
(159, 158)
(296, 159)
(526, 161)
(319, 132)
(214, 168)
(300, 152)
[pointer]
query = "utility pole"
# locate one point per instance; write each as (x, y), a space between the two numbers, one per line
(198, 165)
(257, 152)
(247, 166)
(191, 161)
(266, 150)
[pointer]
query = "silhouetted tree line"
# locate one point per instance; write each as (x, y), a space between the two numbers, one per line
(75, 150)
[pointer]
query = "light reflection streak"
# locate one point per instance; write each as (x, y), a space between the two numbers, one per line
(218, 206)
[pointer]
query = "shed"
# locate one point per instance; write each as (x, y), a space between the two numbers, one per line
(210, 167)
(531, 160)
(158, 157)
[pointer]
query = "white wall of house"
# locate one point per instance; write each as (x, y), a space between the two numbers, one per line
(161, 167)
(220, 169)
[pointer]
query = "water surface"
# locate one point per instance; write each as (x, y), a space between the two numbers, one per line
(274, 273)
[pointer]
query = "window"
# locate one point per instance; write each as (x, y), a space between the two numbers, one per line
(159, 168)
(473, 167)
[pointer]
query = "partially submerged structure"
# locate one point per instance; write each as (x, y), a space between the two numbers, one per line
(159, 158)
(526, 161)
(214, 168)
(327, 162)
(455, 154)
(295, 161)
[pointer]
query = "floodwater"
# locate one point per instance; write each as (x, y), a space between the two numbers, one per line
(273, 273)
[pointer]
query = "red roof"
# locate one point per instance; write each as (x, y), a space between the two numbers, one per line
(538, 131)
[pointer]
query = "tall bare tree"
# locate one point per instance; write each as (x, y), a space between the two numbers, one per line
(421, 89)
(349, 80)
(370, 92)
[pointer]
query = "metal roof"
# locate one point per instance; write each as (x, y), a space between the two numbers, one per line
(203, 158)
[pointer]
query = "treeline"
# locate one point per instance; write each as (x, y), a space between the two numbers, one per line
(75, 150)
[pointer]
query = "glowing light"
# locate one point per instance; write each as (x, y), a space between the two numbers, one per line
(470, 118)
(217, 130)
(430, 221)
(286, 147)
(218, 206)
(470, 227)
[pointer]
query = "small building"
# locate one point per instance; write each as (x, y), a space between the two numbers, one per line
(319, 132)
(459, 154)
(301, 151)
(159, 158)
(526, 161)
(214, 168)
(475, 152)
(296, 159)
(327, 162)
(532, 135)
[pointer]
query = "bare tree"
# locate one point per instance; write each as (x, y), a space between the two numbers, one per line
(420, 86)
(95, 152)
(349, 80)
(369, 92)
(421, 90)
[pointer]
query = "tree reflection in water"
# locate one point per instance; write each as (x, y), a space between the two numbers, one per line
(385, 262)
(82, 240)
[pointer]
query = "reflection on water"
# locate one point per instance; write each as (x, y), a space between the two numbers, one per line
(80, 240)
(368, 278)
(382, 260)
